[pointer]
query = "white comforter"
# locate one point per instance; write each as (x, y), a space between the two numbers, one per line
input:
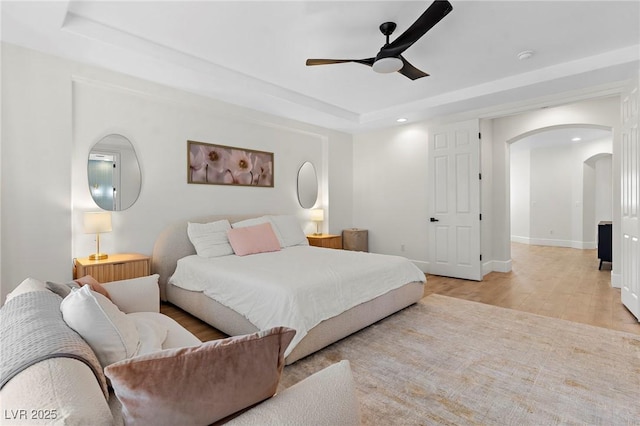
(297, 287)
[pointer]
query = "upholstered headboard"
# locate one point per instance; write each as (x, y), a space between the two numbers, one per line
(173, 244)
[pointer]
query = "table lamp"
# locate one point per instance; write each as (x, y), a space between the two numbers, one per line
(317, 216)
(96, 223)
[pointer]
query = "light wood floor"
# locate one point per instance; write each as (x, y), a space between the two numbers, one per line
(556, 282)
(551, 281)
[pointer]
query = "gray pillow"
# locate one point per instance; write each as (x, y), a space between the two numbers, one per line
(61, 290)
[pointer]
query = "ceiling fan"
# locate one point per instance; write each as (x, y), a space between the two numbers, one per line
(389, 58)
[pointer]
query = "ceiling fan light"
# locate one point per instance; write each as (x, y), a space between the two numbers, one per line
(387, 65)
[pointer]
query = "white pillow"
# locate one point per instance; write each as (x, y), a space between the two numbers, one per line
(210, 239)
(152, 333)
(251, 222)
(140, 294)
(112, 335)
(27, 286)
(289, 231)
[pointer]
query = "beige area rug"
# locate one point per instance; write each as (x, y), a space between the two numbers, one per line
(455, 362)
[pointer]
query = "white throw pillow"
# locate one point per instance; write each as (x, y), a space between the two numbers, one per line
(112, 335)
(289, 231)
(210, 239)
(26, 286)
(152, 333)
(141, 294)
(251, 222)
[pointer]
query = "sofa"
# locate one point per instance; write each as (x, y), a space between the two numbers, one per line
(67, 390)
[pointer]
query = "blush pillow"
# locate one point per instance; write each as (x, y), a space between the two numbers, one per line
(93, 284)
(200, 384)
(253, 239)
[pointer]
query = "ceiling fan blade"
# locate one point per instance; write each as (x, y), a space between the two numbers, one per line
(434, 14)
(410, 71)
(368, 61)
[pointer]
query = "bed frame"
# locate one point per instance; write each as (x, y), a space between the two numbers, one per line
(173, 244)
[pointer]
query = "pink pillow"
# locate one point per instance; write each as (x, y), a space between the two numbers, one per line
(253, 239)
(200, 385)
(93, 284)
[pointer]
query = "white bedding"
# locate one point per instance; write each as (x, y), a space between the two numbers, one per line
(297, 287)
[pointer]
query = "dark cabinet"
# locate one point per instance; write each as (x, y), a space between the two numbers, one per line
(604, 242)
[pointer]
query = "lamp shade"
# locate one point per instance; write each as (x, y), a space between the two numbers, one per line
(317, 215)
(97, 222)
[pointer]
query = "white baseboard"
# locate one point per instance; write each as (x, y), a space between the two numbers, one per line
(496, 266)
(422, 265)
(581, 245)
(490, 266)
(616, 280)
(487, 267)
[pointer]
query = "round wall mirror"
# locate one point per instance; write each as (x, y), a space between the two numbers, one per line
(307, 185)
(114, 173)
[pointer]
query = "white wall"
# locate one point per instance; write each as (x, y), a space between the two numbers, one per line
(553, 199)
(603, 193)
(390, 190)
(520, 174)
(59, 109)
(36, 165)
(551, 195)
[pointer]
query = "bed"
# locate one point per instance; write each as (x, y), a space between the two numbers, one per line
(201, 286)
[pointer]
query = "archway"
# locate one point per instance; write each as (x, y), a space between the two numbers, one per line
(553, 182)
(601, 113)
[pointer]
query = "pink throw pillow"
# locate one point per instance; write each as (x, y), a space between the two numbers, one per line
(253, 239)
(200, 385)
(93, 284)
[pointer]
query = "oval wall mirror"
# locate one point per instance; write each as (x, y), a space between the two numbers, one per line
(307, 185)
(114, 173)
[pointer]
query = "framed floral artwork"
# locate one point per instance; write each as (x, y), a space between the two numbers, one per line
(226, 165)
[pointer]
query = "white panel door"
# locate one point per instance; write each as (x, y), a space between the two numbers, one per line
(630, 198)
(454, 200)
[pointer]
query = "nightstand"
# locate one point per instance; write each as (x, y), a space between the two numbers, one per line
(114, 268)
(355, 239)
(325, 240)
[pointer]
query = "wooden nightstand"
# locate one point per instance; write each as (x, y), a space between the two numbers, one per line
(114, 268)
(325, 240)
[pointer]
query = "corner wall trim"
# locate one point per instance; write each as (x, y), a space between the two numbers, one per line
(499, 266)
(616, 280)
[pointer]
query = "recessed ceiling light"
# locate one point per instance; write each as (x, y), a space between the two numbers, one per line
(576, 139)
(525, 54)
(401, 120)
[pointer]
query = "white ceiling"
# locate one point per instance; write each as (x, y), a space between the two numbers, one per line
(253, 53)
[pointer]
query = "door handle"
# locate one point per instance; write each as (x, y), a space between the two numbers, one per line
(433, 219)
